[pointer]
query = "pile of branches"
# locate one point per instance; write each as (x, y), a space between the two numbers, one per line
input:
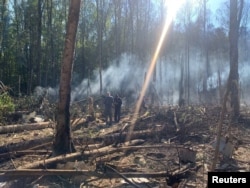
(153, 131)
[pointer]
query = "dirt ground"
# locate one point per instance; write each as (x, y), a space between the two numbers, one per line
(174, 147)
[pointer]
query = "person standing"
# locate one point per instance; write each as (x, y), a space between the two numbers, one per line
(108, 103)
(118, 104)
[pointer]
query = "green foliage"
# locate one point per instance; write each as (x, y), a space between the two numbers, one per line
(6, 104)
(32, 44)
(26, 103)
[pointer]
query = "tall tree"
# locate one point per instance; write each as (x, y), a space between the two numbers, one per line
(117, 30)
(63, 143)
(129, 31)
(233, 79)
(187, 51)
(38, 41)
(236, 8)
(99, 5)
(49, 42)
(205, 49)
(3, 36)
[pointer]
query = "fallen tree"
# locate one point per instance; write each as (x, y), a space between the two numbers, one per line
(16, 128)
(172, 176)
(13, 174)
(120, 137)
(24, 145)
(96, 152)
(25, 127)
(114, 138)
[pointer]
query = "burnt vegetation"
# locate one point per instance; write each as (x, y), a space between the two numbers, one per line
(170, 146)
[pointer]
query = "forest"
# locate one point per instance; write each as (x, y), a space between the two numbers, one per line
(190, 61)
(117, 37)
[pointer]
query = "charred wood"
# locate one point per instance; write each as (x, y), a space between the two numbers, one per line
(23, 127)
(24, 145)
(7, 175)
(98, 152)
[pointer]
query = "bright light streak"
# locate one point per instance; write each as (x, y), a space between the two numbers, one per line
(172, 8)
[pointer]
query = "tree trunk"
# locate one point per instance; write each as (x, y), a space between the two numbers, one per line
(205, 52)
(38, 42)
(100, 35)
(235, 17)
(21, 173)
(232, 87)
(63, 143)
(93, 153)
(181, 87)
(28, 144)
(24, 127)
(187, 62)
(117, 30)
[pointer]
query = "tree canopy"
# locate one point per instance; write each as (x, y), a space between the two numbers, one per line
(111, 32)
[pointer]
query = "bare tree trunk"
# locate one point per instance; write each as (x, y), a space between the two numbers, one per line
(232, 85)
(187, 59)
(131, 28)
(235, 17)
(99, 30)
(187, 71)
(117, 30)
(220, 88)
(63, 143)
(38, 44)
(49, 62)
(206, 71)
(181, 87)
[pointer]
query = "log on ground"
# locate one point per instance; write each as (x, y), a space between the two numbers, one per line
(24, 127)
(97, 152)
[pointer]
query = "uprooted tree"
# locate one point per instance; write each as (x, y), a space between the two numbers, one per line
(62, 143)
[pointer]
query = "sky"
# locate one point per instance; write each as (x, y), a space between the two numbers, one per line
(215, 4)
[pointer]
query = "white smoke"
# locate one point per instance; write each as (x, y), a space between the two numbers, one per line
(127, 77)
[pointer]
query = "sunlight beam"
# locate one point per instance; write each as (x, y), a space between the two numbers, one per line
(172, 7)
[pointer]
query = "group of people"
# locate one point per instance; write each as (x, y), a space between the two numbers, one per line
(109, 103)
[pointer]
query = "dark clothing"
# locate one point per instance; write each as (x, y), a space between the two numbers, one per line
(108, 103)
(143, 104)
(118, 104)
